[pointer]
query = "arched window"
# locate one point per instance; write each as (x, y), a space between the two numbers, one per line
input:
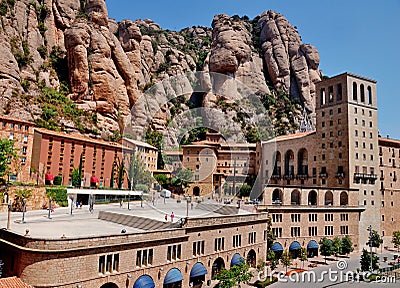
(369, 95)
(355, 91)
(277, 197)
(312, 198)
(295, 197)
(329, 198)
(362, 93)
(302, 162)
(322, 96)
(289, 163)
(339, 92)
(344, 199)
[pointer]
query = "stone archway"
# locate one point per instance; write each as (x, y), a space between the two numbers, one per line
(218, 264)
(251, 258)
(109, 285)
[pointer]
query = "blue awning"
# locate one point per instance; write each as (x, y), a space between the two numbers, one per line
(198, 270)
(294, 246)
(312, 245)
(173, 275)
(236, 259)
(144, 281)
(277, 247)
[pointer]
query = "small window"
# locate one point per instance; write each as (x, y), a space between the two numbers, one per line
(355, 97)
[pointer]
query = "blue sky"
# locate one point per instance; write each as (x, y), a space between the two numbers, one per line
(361, 37)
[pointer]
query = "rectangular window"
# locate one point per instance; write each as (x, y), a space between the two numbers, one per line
(109, 263)
(219, 244)
(116, 263)
(295, 231)
(252, 237)
(102, 264)
(328, 230)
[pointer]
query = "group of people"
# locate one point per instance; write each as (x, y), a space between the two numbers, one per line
(172, 217)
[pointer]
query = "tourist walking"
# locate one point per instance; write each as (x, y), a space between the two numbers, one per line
(172, 217)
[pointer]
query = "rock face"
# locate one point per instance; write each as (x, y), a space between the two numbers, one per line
(104, 66)
(292, 65)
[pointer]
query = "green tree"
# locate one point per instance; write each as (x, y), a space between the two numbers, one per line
(286, 259)
(396, 239)
(270, 235)
(7, 153)
(182, 179)
(137, 173)
(365, 261)
(244, 191)
(76, 178)
(271, 257)
(234, 276)
(337, 246)
(347, 245)
(303, 255)
(326, 247)
(162, 179)
(375, 240)
(19, 196)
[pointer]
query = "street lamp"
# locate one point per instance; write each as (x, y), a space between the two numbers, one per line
(141, 200)
(9, 215)
(23, 210)
(49, 216)
(370, 243)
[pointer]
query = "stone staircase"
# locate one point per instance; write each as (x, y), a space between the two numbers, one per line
(136, 222)
(218, 208)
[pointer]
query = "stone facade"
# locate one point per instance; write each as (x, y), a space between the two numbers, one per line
(72, 262)
(333, 167)
(22, 133)
(389, 165)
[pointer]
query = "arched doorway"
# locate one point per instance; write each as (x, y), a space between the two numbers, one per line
(144, 281)
(312, 198)
(294, 249)
(197, 275)
(251, 259)
(295, 197)
(236, 259)
(277, 196)
(217, 266)
(109, 285)
(329, 198)
(196, 191)
(344, 199)
(312, 249)
(277, 167)
(173, 279)
(278, 249)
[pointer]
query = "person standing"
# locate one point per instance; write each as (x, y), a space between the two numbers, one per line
(172, 217)
(166, 217)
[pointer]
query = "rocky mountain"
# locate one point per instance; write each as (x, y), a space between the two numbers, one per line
(66, 65)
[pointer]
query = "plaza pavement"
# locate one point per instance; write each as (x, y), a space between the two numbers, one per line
(82, 223)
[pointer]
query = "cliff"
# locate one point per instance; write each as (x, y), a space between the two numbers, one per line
(67, 66)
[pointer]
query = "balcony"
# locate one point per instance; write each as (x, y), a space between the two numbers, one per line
(288, 176)
(323, 175)
(276, 176)
(302, 176)
(340, 175)
(365, 176)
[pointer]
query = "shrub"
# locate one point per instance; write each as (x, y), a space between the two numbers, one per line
(57, 180)
(25, 84)
(142, 187)
(59, 195)
(42, 51)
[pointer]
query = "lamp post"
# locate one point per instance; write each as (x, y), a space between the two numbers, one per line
(49, 216)
(9, 215)
(141, 200)
(23, 210)
(370, 244)
(72, 204)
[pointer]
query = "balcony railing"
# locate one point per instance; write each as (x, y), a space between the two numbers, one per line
(276, 176)
(288, 176)
(365, 176)
(302, 176)
(323, 175)
(340, 175)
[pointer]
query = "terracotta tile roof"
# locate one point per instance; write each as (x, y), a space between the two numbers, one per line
(293, 136)
(139, 143)
(389, 142)
(13, 282)
(78, 137)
